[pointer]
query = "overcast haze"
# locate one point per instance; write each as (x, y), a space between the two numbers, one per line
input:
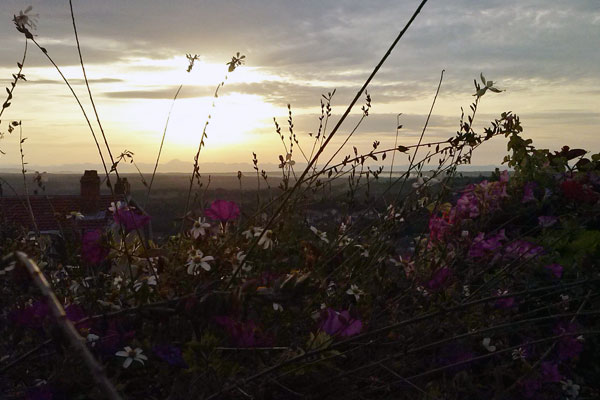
(545, 53)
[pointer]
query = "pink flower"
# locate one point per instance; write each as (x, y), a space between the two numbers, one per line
(524, 249)
(555, 269)
(439, 278)
(223, 210)
(505, 302)
(439, 226)
(550, 372)
(528, 192)
(467, 206)
(130, 219)
(568, 347)
(93, 250)
(33, 316)
(481, 246)
(339, 323)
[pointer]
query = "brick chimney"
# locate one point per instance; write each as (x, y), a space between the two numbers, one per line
(122, 187)
(90, 192)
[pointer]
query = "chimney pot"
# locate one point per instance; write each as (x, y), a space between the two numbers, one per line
(90, 192)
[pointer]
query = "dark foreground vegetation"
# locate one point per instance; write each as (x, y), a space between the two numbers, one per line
(404, 288)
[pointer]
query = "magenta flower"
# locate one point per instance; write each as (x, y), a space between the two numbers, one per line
(33, 316)
(439, 227)
(550, 373)
(339, 323)
(75, 313)
(555, 269)
(93, 250)
(130, 219)
(568, 346)
(524, 249)
(223, 210)
(546, 221)
(243, 334)
(467, 206)
(505, 302)
(528, 192)
(481, 246)
(439, 278)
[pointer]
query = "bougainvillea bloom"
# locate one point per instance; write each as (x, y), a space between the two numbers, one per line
(223, 210)
(339, 323)
(32, 316)
(528, 192)
(505, 302)
(568, 347)
(130, 219)
(523, 249)
(482, 246)
(93, 250)
(555, 269)
(439, 278)
(550, 372)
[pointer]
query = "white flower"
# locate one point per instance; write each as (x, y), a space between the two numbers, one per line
(199, 228)
(344, 241)
(277, 307)
(423, 291)
(131, 356)
(355, 291)
(571, 389)
(364, 252)
(331, 289)
(148, 280)
(241, 256)
(114, 207)
(25, 19)
(75, 215)
(196, 260)
(9, 268)
(466, 291)
(74, 286)
(321, 235)
(249, 233)
(114, 306)
(92, 339)
(486, 343)
(117, 282)
(518, 354)
(266, 242)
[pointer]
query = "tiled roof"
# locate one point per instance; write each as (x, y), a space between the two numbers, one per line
(51, 212)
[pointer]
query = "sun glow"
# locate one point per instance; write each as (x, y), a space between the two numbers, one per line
(233, 117)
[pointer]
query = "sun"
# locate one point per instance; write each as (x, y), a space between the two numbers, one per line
(233, 118)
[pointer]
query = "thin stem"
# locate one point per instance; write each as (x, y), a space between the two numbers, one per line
(162, 141)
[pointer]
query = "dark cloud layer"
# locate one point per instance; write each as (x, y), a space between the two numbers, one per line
(312, 39)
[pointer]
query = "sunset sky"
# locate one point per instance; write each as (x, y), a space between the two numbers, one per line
(544, 53)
